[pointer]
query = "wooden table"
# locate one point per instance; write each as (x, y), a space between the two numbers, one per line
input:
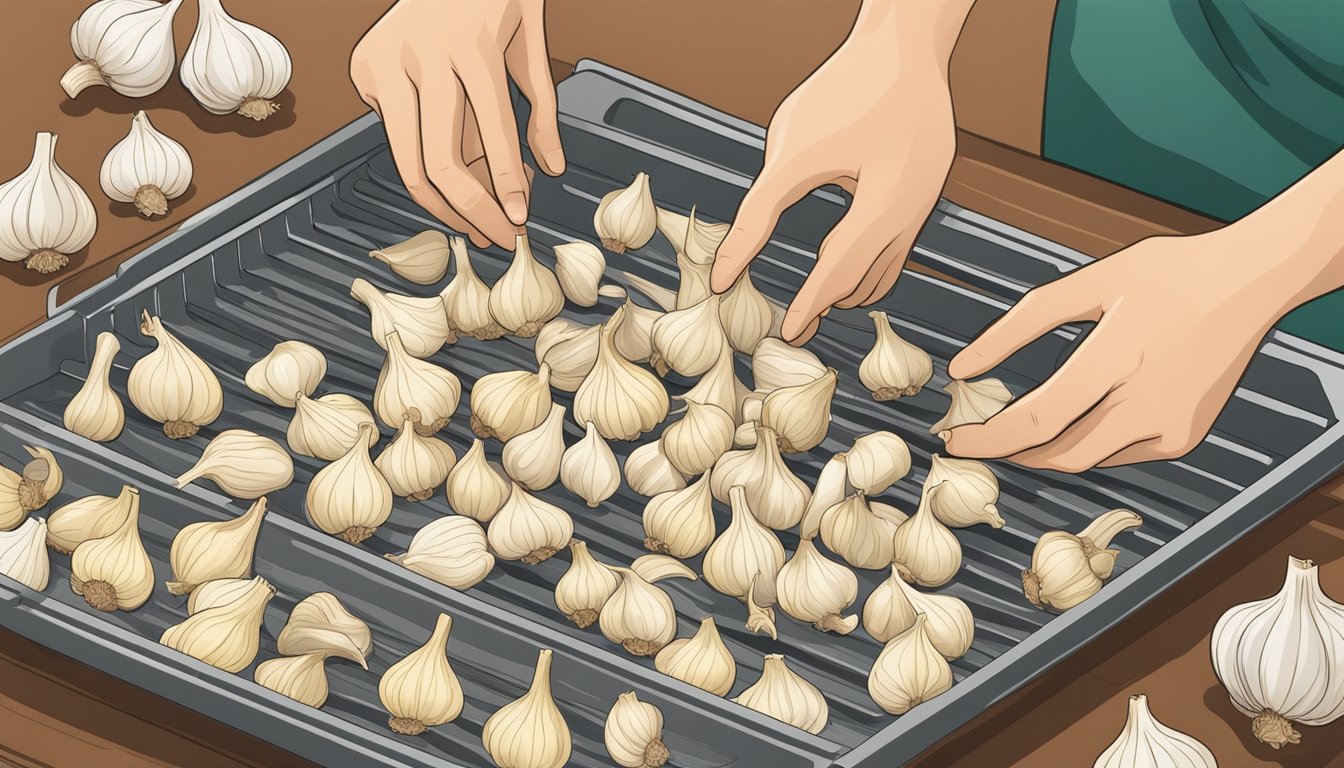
(56, 712)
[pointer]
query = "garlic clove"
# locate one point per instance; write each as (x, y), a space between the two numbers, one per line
(327, 427)
(23, 554)
(877, 461)
(126, 45)
(622, 400)
(211, 550)
(693, 283)
(698, 439)
(800, 415)
(626, 218)
(832, 487)
(527, 294)
(721, 387)
(894, 368)
(415, 465)
(648, 471)
(775, 495)
(529, 732)
(1067, 569)
(586, 586)
(30, 490)
(970, 493)
(745, 435)
(760, 614)
(91, 517)
(466, 298)
(146, 168)
(909, 671)
(923, 549)
(680, 522)
(656, 567)
(422, 691)
(243, 464)
(301, 678)
(232, 66)
(861, 538)
(785, 695)
(475, 488)
(509, 403)
(747, 315)
(702, 660)
(812, 588)
(533, 458)
(114, 572)
(450, 550)
(893, 605)
(290, 369)
(702, 239)
(420, 322)
(744, 549)
(638, 616)
(215, 593)
(349, 498)
(588, 468)
(579, 267)
(95, 411)
(777, 364)
(632, 330)
(688, 341)
(320, 624)
(1147, 743)
(529, 529)
(570, 349)
(422, 259)
(406, 383)
(226, 636)
(973, 402)
(172, 385)
(633, 733)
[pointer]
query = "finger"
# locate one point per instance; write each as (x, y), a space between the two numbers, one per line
(1106, 429)
(807, 334)
(888, 264)
(775, 189)
(887, 283)
(530, 66)
(488, 89)
(1042, 309)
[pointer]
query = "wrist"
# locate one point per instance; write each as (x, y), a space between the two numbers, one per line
(917, 32)
(1294, 246)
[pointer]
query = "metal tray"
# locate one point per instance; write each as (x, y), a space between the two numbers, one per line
(275, 261)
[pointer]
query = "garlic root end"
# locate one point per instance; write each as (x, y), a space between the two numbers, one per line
(150, 201)
(32, 494)
(44, 261)
(1031, 587)
(583, 618)
(1274, 729)
(896, 393)
(615, 246)
(355, 534)
(641, 647)
(179, 430)
(539, 555)
(406, 726)
(258, 109)
(656, 754)
(100, 595)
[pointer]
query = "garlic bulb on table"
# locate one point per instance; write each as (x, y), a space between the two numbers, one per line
(784, 695)
(633, 733)
(327, 427)
(877, 461)
(586, 586)
(529, 732)
(698, 438)
(533, 458)
(475, 488)
(894, 368)
(746, 314)
(96, 411)
(527, 294)
(744, 549)
(232, 66)
(44, 215)
(648, 471)
(973, 402)
(290, 369)
(627, 218)
(91, 517)
(776, 364)
(570, 349)
(721, 387)
(407, 383)
(172, 385)
(450, 550)
(30, 490)
(814, 589)
(422, 691)
(893, 605)
(774, 493)
(588, 468)
(1147, 743)
(114, 572)
(969, 493)
(466, 298)
(509, 403)
(1067, 569)
(420, 322)
(146, 168)
(301, 678)
(621, 399)
(680, 523)
(220, 549)
(702, 660)
(320, 624)
(415, 465)
(529, 529)
(924, 550)
(800, 415)
(579, 267)
(226, 636)
(23, 554)
(422, 259)
(243, 464)
(909, 671)
(689, 340)
(349, 498)
(639, 615)
(863, 539)
(126, 45)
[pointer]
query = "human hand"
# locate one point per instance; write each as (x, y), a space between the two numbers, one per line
(435, 72)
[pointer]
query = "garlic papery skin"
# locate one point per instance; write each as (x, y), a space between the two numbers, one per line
(475, 488)
(44, 215)
(226, 636)
(406, 383)
(812, 588)
(923, 549)
(588, 468)
(415, 465)
(632, 330)
(114, 572)
(633, 733)
(638, 616)
(586, 586)
(91, 517)
(894, 368)
(784, 695)
(1279, 657)
(893, 605)
(172, 385)
(969, 494)
(832, 487)
(290, 369)
(422, 691)
(657, 566)
(721, 387)
(420, 322)
(509, 403)
(211, 550)
(746, 315)
(349, 498)
(702, 660)
(533, 458)
(688, 341)
(744, 549)
(973, 402)
(698, 439)
(1147, 743)
(327, 427)
(527, 294)
(21, 493)
(232, 66)
(877, 461)
(777, 364)
(693, 284)
(320, 624)
(621, 399)
(466, 298)
(422, 259)
(450, 550)
(627, 218)
(146, 168)
(23, 554)
(800, 415)
(909, 671)
(672, 225)
(775, 495)
(215, 593)
(861, 538)
(648, 471)
(529, 529)
(301, 678)
(570, 349)
(243, 464)
(703, 239)
(529, 732)
(579, 267)
(126, 45)
(95, 411)
(680, 523)
(1067, 569)
(760, 614)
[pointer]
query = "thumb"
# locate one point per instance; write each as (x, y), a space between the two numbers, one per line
(775, 189)
(1040, 311)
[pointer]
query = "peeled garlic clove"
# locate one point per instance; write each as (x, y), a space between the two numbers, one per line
(586, 586)
(924, 550)
(746, 315)
(894, 368)
(243, 464)
(588, 468)
(721, 387)
(784, 695)
(969, 494)
(893, 605)
(570, 349)
(527, 294)
(744, 549)
(1067, 569)
(147, 168)
(579, 267)
(422, 691)
(406, 383)
(95, 411)
(320, 624)
(533, 458)
(529, 732)
(211, 550)
(649, 473)
(349, 498)
(529, 529)
(21, 493)
(126, 45)
(328, 426)
(91, 517)
(638, 616)
(422, 259)
(760, 614)
(627, 218)
(1147, 743)
(877, 461)
(226, 636)
(301, 678)
(621, 399)
(702, 660)
(909, 671)
(689, 341)
(800, 415)
(466, 298)
(475, 488)
(509, 403)
(832, 487)
(656, 567)
(44, 215)
(814, 589)
(172, 385)
(775, 495)
(290, 369)
(450, 550)
(420, 322)
(414, 465)
(23, 554)
(232, 66)
(681, 522)
(777, 364)
(973, 402)
(633, 733)
(698, 439)
(632, 330)
(859, 537)
(114, 572)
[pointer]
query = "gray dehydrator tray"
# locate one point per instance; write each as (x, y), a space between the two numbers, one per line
(275, 262)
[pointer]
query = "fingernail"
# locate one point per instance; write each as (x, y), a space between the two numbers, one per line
(515, 207)
(944, 435)
(555, 160)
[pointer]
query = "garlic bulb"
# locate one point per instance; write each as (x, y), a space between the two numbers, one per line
(760, 614)
(588, 468)
(777, 364)
(633, 733)
(420, 322)
(1278, 657)
(527, 294)
(688, 341)
(894, 368)
(698, 439)
(114, 572)
(91, 517)
(800, 415)
(475, 488)
(529, 529)
(147, 168)
(746, 315)
(44, 215)
(832, 487)
(632, 329)
(585, 587)
(232, 66)
(529, 732)
(703, 239)
(349, 498)
(702, 660)
(784, 695)
(95, 411)
(923, 549)
(909, 671)
(328, 426)
(1147, 743)
(172, 385)
(621, 399)
(693, 282)
(639, 615)
(1067, 569)
(290, 369)
(301, 678)
(648, 471)
(422, 259)
(744, 549)
(226, 636)
(126, 45)
(23, 556)
(973, 402)
(533, 458)
(877, 461)
(422, 691)
(627, 218)
(861, 538)
(21, 493)
(775, 495)
(414, 465)
(406, 383)
(509, 403)
(969, 493)
(466, 298)
(893, 605)
(211, 550)
(721, 387)
(320, 624)
(450, 550)
(681, 522)
(812, 588)
(579, 267)
(570, 349)
(243, 464)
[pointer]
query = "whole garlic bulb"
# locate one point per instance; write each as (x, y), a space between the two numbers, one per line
(349, 498)
(627, 218)
(44, 215)
(586, 586)
(420, 322)
(688, 341)
(800, 415)
(861, 538)
(218, 549)
(812, 588)
(702, 660)
(529, 529)
(243, 464)
(894, 368)
(422, 691)
(96, 411)
(290, 369)
(777, 364)
(680, 523)
(450, 550)
(529, 732)
(532, 459)
(579, 267)
(633, 733)
(744, 549)
(909, 671)
(877, 461)
(648, 471)
(775, 495)
(466, 298)
(509, 403)
(114, 572)
(301, 678)
(784, 695)
(698, 439)
(228, 635)
(973, 402)
(146, 168)
(832, 487)
(1067, 569)
(527, 294)
(746, 314)
(172, 385)
(892, 607)
(327, 427)
(475, 488)
(622, 400)
(924, 550)
(91, 517)
(633, 332)
(23, 554)
(21, 493)
(969, 493)
(320, 624)
(422, 259)
(415, 465)
(407, 383)
(1147, 743)
(126, 45)
(232, 66)
(570, 349)
(589, 469)
(639, 615)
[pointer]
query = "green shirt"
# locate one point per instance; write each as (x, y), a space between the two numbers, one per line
(1214, 105)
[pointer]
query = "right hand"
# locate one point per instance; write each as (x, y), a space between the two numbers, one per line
(435, 72)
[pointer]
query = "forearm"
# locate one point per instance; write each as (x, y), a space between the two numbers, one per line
(920, 30)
